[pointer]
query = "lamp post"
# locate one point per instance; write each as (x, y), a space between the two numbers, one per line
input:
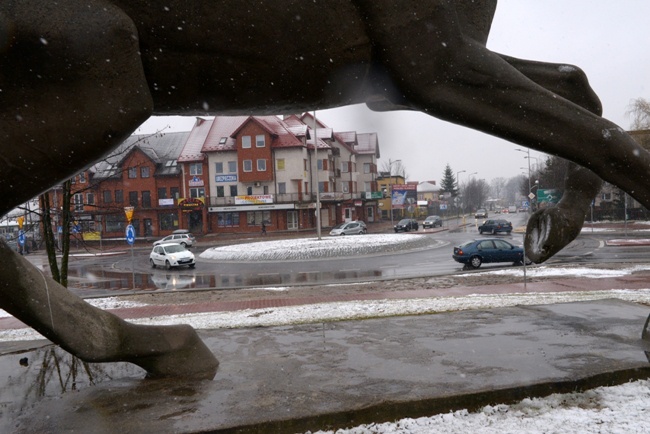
(527, 151)
(458, 182)
(390, 169)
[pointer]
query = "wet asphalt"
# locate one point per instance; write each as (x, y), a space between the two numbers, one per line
(339, 374)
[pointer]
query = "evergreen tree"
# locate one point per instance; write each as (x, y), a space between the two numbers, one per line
(448, 184)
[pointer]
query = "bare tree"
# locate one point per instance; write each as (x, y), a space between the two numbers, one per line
(395, 168)
(639, 111)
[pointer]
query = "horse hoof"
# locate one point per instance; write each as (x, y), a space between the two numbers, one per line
(549, 231)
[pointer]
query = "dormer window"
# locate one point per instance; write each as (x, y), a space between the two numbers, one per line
(223, 140)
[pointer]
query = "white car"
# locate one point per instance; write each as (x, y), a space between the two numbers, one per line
(185, 239)
(171, 255)
(349, 228)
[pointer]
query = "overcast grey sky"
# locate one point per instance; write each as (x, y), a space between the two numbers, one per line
(608, 40)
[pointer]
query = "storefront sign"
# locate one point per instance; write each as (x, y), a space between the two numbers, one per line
(196, 182)
(190, 204)
(165, 202)
(225, 178)
(251, 207)
(254, 199)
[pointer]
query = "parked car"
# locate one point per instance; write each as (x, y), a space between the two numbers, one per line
(494, 226)
(512, 209)
(186, 240)
(350, 228)
(406, 225)
(432, 221)
(523, 209)
(481, 213)
(487, 250)
(171, 255)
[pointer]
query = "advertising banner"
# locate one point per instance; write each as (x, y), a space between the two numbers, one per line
(404, 195)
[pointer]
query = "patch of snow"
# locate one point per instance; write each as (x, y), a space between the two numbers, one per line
(313, 248)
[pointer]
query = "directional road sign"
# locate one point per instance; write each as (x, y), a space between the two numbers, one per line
(130, 234)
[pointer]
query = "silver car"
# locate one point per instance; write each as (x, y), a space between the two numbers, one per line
(171, 255)
(349, 228)
(186, 240)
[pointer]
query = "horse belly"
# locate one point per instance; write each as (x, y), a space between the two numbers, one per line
(244, 57)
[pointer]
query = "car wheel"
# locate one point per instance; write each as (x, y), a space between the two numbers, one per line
(192, 265)
(168, 266)
(494, 231)
(184, 245)
(475, 261)
(364, 232)
(153, 264)
(480, 232)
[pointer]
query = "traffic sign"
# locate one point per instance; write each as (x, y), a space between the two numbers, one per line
(130, 234)
(21, 238)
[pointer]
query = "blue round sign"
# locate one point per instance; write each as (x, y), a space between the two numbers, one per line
(21, 238)
(130, 234)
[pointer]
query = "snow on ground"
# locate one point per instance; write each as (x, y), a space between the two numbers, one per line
(313, 248)
(618, 409)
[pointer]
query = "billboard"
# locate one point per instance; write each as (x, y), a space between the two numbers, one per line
(404, 196)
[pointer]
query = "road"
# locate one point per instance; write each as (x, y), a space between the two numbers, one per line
(126, 273)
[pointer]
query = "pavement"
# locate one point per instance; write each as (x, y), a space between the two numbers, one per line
(330, 375)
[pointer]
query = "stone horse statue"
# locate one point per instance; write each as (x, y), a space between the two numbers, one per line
(76, 78)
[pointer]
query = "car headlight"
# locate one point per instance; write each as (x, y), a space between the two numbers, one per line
(173, 257)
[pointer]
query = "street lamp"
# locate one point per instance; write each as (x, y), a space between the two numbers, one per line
(527, 151)
(390, 168)
(458, 182)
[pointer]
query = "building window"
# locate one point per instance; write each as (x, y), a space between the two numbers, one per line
(220, 191)
(259, 141)
(322, 187)
(174, 192)
(197, 192)
(90, 198)
(248, 165)
(146, 199)
(228, 219)
(168, 221)
(196, 169)
(119, 196)
(246, 142)
(144, 172)
(249, 190)
(133, 172)
(162, 193)
(218, 167)
(115, 223)
(607, 196)
(279, 164)
(367, 186)
(256, 218)
(319, 164)
(261, 165)
(304, 163)
(345, 168)
(82, 177)
(133, 198)
(78, 200)
(366, 167)
(265, 189)
(233, 190)
(108, 197)
(282, 188)
(232, 167)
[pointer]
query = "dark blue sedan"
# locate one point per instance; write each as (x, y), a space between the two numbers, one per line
(476, 252)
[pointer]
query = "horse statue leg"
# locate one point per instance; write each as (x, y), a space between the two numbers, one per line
(73, 88)
(549, 230)
(461, 81)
